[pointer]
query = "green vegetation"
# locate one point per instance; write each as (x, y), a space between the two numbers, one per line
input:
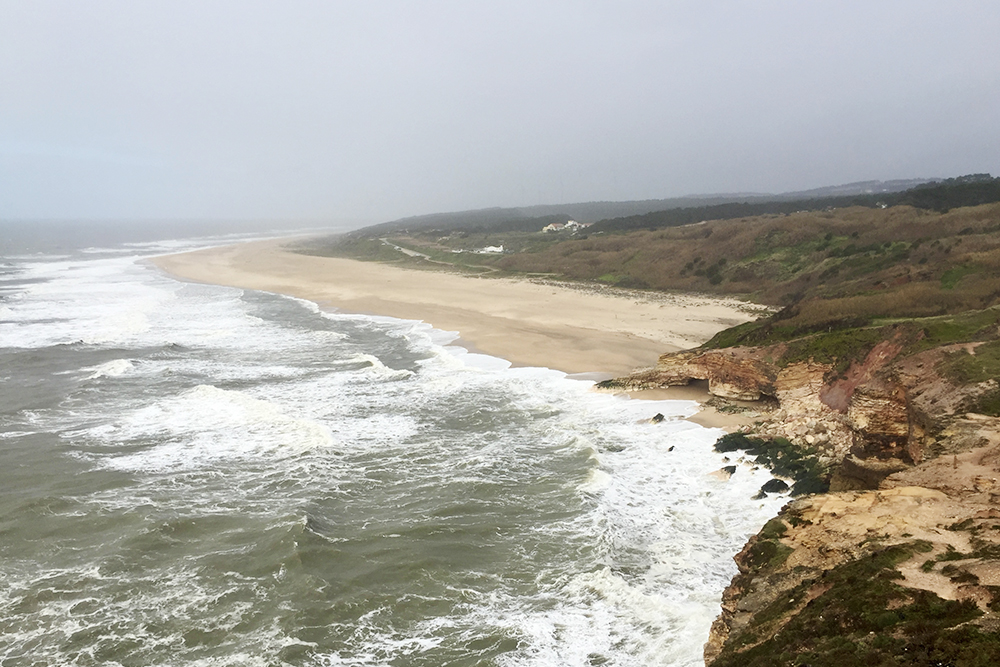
(783, 459)
(767, 553)
(977, 325)
(856, 614)
(953, 276)
(981, 365)
(838, 348)
(845, 341)
(949, 554)
(766, 550)
(987, 403)
(773, 530)
(971, 190)
(978, 365)
(980, 549)
(372, 250)
(852, 264)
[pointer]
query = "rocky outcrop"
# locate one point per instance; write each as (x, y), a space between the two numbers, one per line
(924, 487)
(735, 373)
(880, 414)
(905, 548)
(936, 521)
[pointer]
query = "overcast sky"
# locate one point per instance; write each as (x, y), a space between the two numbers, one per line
(376, 109)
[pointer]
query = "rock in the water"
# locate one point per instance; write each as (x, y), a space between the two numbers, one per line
(657, 418)
(774, 486)
(724, 472)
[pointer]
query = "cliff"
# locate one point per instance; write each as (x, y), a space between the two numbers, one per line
(900, 562)
(886, 405)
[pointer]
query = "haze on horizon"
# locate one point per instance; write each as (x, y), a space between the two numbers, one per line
(367, 111)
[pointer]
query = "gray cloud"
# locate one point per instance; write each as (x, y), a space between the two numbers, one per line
(372, 110)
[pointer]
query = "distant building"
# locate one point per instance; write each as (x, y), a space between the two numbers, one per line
(569, 225)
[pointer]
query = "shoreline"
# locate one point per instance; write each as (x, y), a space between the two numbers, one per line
(583, 333)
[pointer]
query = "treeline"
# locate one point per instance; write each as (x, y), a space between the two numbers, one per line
(971, 190)
(688, 216)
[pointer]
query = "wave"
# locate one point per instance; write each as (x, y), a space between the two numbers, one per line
(206, 424)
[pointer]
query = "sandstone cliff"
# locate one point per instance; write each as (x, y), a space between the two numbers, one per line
(900, 562)
(882, 412)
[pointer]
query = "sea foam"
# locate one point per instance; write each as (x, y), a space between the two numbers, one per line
(231, 476)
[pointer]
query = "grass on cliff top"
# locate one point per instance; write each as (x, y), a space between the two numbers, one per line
(980, 365)
(863, 618)
(963, 327)
(838, 348)
(845, 341)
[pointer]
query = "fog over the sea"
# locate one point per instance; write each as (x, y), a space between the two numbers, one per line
(369, 110)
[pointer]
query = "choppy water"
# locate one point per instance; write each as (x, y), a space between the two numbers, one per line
(200, 475)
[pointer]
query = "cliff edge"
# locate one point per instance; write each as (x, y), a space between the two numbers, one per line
(898, 562)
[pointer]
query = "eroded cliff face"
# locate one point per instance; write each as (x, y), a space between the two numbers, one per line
(882, 414)
(737, 373)
(910, 530)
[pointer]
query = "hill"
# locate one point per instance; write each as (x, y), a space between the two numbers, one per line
(520, 218)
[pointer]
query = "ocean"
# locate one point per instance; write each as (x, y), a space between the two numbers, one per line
(201, 475)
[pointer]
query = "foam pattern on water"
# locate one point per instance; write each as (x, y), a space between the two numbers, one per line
(210, 476)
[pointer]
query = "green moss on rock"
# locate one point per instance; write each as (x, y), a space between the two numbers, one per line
(783, 458)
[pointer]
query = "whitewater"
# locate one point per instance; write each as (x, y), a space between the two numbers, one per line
(201, 475)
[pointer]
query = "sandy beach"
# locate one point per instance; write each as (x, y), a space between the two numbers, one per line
(566, 327)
